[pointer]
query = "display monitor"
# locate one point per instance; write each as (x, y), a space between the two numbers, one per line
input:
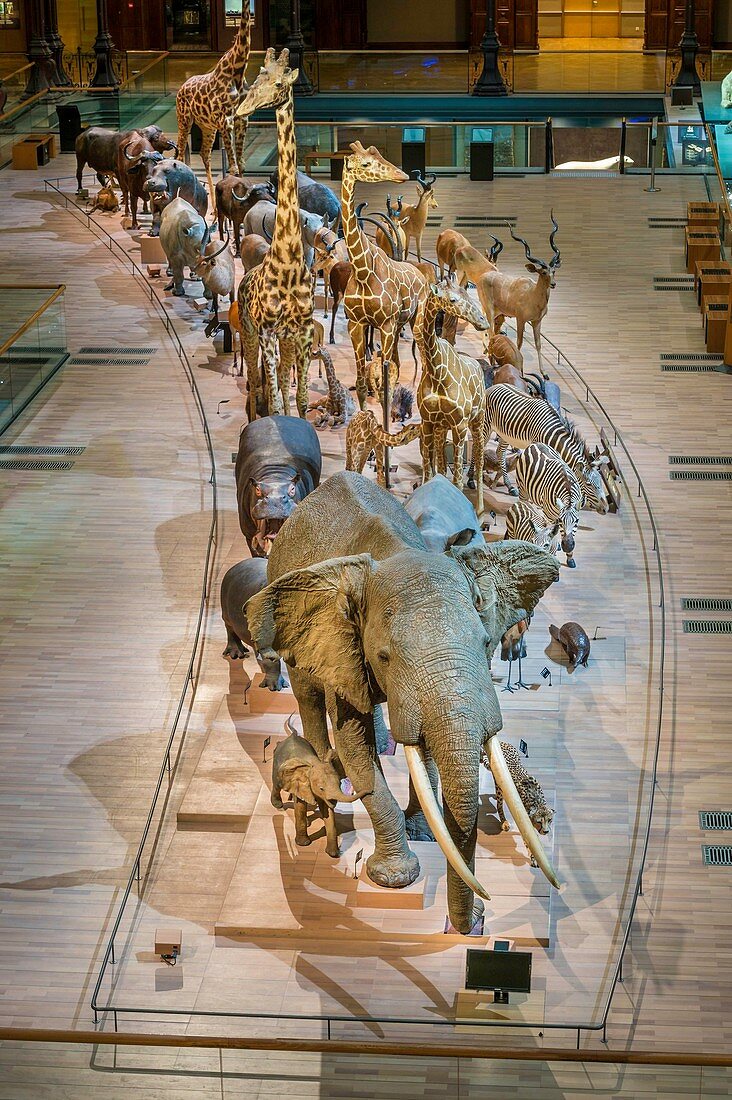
(682, 97)
(482, 133)
(502, 971)
(413, 133)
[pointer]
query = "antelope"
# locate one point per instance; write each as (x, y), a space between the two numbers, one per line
(413, 217)
(448, 242)
(527, 300)
(328, 250)
(384, 241)
(471, 263)
(502, 352)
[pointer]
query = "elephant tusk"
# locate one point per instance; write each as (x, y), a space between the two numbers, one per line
(502, 776)
(428, 802)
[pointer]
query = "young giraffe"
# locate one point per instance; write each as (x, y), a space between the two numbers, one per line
(381, 292)
(364, 434)
(276, 298)
(451, 394)
(209, 100)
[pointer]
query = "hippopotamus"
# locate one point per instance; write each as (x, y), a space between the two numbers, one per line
(168, 179)
(444, 515)
(277, 465)
(242, 581)
(574, 641)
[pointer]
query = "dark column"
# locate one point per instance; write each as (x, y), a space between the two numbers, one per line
(689, 46)
(60, 78)
(490, 82)
(105, 76)
(296, 45)
(38, 52)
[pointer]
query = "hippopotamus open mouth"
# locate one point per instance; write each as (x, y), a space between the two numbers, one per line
(159, 191)
(264, 536)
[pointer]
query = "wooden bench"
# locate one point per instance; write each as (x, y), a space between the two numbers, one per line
(700, 245)
(33, 152)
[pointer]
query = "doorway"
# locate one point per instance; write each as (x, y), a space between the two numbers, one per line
(616, 25)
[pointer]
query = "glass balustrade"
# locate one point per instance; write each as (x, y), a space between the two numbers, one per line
(32, 344)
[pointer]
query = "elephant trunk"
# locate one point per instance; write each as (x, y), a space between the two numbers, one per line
(455, 837)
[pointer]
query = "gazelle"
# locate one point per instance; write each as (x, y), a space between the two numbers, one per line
(413, 216)
(524, 299)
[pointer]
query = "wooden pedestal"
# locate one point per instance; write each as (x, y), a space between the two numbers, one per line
(705, 214)
(708, 270)
(716, 319)
(34, 151)
(700, 245)
(151, 251)
(713, 286)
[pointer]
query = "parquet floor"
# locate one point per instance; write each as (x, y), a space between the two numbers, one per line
(119, 543)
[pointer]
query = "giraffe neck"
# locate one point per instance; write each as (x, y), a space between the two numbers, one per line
(425, 334)
(359, 252)
(234, 62)
(287, 250)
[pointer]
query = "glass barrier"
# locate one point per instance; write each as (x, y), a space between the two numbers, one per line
(32, 344)
(556, 70)
(13, 81)
(401, 71)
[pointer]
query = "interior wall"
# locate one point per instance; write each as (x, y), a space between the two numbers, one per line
(723, 23)
(404, 21)
(77, 23)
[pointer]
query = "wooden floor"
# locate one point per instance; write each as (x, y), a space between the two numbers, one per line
(118, 540)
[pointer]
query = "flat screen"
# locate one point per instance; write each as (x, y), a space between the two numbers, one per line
(413, 133)
(482, 133)
(507, 970)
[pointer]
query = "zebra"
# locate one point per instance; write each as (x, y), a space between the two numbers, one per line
(519, 420)
(527, 522)
(546, 481)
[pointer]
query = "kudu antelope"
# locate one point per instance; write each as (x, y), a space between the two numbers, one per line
(413, 216)
(520, 297)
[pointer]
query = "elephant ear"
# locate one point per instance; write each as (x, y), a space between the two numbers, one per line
(510, 577)
(312, 619)
(295, 779)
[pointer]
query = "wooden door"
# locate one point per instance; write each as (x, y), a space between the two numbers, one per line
(665, 21)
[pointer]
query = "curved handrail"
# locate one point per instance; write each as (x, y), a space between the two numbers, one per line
(351, 1046)
(208, 563)
(328, 1019)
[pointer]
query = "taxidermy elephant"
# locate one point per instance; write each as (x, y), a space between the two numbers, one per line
(297, 769)
(239, 584)
(363, 613)
(444, 515)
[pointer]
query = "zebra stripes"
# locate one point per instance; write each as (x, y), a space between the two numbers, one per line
(520, 420)
(545, 481)
(527, 522)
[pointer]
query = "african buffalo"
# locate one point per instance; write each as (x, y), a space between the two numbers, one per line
(171, 178)
(234, 199)
(99, 148)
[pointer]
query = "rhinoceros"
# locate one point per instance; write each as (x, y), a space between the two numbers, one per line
(183, 233)
(167, 179)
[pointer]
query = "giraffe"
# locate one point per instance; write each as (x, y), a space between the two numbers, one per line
(451, 394)
(381, 292)
(209, 100)
(276, 298)
(364, 434)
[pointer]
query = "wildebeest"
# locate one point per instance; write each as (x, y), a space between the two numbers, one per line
(314, 197)
(171, 178)
(235, 197)
(99, 148)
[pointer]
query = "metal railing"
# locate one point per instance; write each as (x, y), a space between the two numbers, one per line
(638, 490)
(166, 768)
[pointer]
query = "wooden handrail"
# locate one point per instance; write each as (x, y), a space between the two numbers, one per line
(16, 72)
(141, 72)
(385, 1050)
(720, 177)
(58, 291)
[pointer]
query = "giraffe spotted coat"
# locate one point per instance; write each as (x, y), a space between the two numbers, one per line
(364, 434)
(338, 406)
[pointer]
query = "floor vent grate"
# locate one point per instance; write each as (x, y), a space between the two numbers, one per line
(700, 460)
(717, 855)
(715, 819)
(705, 603)
(700, 475)
(690, 368)
(690, 357)
(29, 449)
(434, 220)
(92, 361)
(116, 351)
(34, 464)
(707, 626)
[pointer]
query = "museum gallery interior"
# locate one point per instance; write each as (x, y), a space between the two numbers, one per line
(365, 441)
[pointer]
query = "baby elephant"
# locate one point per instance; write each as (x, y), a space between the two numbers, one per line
(242, 581)
(297, 768)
